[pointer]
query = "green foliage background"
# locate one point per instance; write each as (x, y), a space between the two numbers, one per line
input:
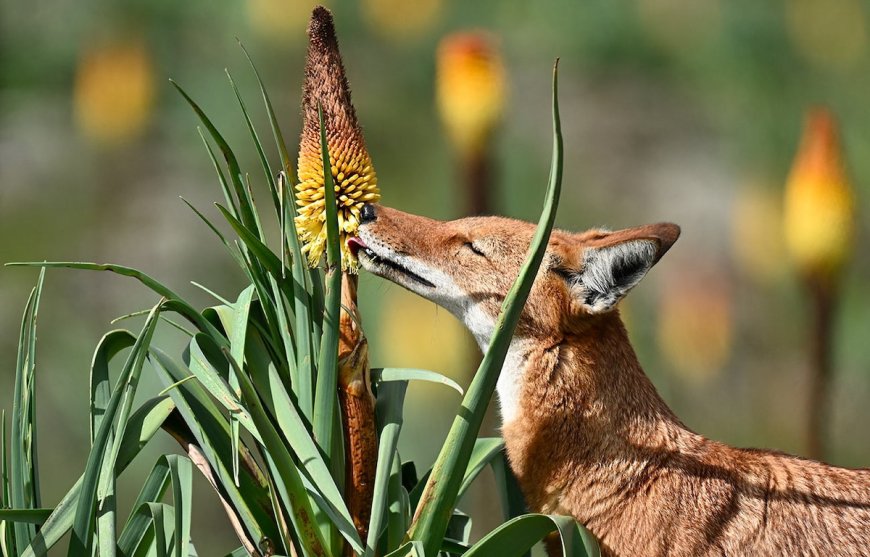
(663, 121)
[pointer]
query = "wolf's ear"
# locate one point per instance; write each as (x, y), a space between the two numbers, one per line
(614, 263)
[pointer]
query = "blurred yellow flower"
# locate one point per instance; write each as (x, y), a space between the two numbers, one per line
(114, 90)
(830, 35)
(695, 327)
(756, 233)
(680, 26)
(819, 211)
(415, 333)
(279, 20)
(352, 172)
(401, 19)
(470, 88)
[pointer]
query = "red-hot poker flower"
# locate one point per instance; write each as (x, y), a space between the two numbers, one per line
(352, 172)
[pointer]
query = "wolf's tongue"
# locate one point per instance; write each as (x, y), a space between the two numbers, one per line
(355, 243)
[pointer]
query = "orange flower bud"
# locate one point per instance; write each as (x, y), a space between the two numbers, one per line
(114, 91)
(470, 88)
(696, 327)
(819, 214)
(352, 172)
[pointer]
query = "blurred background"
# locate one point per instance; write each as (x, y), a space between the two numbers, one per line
(689, 111)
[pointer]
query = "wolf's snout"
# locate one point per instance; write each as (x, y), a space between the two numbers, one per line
(367, 214)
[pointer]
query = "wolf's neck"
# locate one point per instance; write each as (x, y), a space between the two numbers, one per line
(589, 386)
(592, 371)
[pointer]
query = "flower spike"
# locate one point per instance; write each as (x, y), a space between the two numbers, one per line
(353, 174)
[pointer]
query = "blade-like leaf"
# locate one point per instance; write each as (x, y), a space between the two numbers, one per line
(439, 497)
(245, 205)
(24, 485)
(237, 351)
(298, 437)
(237, 257)
(285, 472)
(25, 516)
(410, 374)
(143, 424)
(98, 467)
(325, 394)
(264, 162)
(388, 409)
(273, 120)
(137, 525)
(410, 549)
(485, 450)
(211, 432)
(513, 503)
(101, 388)
(182, 498)
(173, 301)
(519, 534)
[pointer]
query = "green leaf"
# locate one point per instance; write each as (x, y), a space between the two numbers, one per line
(173, 301)
(513, 503)
(204, 361)
(325, 394)
(158, 512)
(211, 433)
(7, 542)
(181, 472)
(409, 374)
(237, 257)
(237, 352)
(245, 205)
(485, 450)
(142, 425)
(101, 388)
(304, 308)
(99, 469)
(23, 479)
(388, 409)
(137, 525)
(261, 251)
(264, 162)
(140, 428)
(273, 120)
(518, 535)
(26, 516)
(284, 470)
(228, 195)
(442, 488)
(298, 436)
(410, 549)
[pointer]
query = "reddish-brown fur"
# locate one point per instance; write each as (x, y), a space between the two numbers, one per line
(591, 437)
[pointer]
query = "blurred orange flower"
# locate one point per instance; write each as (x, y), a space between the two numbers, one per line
(819, 214)
(470, 88)
(114, 90)
(695, 330)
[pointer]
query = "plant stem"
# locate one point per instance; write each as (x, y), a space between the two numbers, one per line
(357, 410)
(823, 299)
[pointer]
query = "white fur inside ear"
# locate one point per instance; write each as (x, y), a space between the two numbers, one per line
(610, 272)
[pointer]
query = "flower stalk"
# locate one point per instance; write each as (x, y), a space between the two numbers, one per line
(332, 139)
(819, 220)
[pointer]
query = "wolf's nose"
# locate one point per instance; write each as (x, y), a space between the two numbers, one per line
(367, 214)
